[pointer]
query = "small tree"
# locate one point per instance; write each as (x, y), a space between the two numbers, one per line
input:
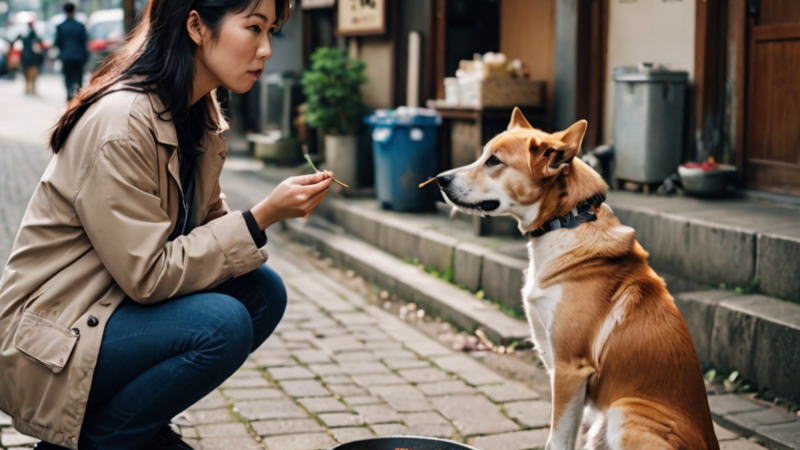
(332, 87)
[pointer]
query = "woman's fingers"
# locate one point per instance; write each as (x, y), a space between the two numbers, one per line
(313, 189)
(314, 178)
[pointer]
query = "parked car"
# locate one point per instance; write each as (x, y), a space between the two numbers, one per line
(106, 30)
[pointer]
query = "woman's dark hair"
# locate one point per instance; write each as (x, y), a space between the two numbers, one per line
(158, 57)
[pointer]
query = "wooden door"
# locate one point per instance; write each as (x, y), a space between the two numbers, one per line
(772, 160)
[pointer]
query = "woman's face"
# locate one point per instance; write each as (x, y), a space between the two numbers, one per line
(235, 58)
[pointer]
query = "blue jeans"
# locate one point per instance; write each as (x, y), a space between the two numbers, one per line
(157, 360)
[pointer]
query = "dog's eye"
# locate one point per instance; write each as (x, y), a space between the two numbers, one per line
(493, 161)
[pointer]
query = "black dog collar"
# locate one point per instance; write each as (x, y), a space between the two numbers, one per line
(580, 214)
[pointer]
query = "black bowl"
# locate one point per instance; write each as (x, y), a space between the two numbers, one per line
(403, 442)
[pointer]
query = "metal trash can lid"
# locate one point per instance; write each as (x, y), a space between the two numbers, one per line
(648, 72)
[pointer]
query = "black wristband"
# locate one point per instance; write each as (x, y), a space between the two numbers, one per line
(259, 236)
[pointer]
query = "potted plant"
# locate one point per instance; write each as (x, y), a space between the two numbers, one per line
(332, 86)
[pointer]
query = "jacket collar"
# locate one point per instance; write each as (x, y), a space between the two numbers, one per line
(164, 127)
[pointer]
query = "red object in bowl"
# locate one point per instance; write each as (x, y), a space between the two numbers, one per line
(709, 164)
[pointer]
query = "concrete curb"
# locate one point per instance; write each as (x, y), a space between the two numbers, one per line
(756, 335)
(405, 280)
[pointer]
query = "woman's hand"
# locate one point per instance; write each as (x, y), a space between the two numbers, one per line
(294, 197)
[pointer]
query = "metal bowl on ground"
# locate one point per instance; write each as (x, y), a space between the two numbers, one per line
(706, 183)
(403, 443)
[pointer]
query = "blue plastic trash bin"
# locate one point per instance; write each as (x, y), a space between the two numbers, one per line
(404, 149)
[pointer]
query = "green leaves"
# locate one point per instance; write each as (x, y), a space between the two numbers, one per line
(332, 86)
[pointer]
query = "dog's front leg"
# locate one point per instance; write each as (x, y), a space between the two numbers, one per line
(568, 401)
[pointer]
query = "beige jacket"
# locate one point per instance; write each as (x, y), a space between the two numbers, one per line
(95, 232)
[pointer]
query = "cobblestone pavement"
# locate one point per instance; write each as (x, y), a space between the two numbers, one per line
(339, 367)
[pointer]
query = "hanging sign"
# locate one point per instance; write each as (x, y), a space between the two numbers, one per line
(361, 17)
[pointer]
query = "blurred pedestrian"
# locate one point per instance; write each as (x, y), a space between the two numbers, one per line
(132, 290)
(71, 40)
(32, 57)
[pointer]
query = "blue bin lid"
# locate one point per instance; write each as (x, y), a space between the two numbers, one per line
(404, 116)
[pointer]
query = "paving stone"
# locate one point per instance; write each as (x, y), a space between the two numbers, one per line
(362, 355)
(517, 440)
(253, 394)
(322, 404)
(395, 354)
(326, 369)
(298, 335)
(14, 438)
(210, 416)
(362, 400)
(427, 347)
(468, 369)
(319, 323)
(227, 443)
(377, 413)
(274, 360)
(382, 344)
(269, 409)
(362, 368)
(305, 441)
(340, 344)
(770, 416)
(311, 356)
(389, 429)
(298, 345)
(462, 411)
(254, 382)
(290, 373)
(739, 444)
(285, 426)
(329, 332)
(407, 363)
(428, 424)
(344, 419)
(532, 414)
(445, 388)
(403, 398)
(508, 391)
(724, 434)
(304, 388)
(213, 400)
(347, 390)
(378, 380)
(223, 430)
(425, 375)
(787, 434)
(337, 379)
(350, 434)
(730, 404)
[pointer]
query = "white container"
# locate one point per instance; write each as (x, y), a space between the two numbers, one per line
(452, 92)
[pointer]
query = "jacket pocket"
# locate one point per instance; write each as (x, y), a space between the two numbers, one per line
(44, 341)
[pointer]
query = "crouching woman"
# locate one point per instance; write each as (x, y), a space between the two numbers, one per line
(132, 291)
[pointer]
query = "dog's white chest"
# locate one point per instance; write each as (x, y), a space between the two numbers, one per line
(540, 307)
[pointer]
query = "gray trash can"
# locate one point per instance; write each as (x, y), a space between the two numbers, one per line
(648, 123)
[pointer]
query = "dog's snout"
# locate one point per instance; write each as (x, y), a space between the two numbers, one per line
(444, 180)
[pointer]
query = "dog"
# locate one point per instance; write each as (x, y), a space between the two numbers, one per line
(624, 372)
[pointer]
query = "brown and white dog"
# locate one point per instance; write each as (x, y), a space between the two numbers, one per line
(603, 322)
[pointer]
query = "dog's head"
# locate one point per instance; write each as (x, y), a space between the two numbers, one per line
(525, 173)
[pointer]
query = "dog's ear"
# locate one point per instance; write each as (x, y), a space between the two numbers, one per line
(558, 159)
(518, 120)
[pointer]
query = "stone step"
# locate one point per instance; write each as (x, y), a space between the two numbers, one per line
(437, 297)
(737, 242)
(756, 335)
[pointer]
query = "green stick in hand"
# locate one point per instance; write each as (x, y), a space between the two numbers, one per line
(311, 163)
